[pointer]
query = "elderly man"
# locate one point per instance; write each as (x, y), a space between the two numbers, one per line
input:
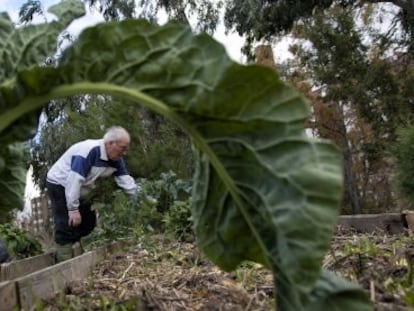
(72, 178)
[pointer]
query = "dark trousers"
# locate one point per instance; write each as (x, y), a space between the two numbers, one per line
(65, 234)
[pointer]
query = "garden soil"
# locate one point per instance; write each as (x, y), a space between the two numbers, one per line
(160, 274)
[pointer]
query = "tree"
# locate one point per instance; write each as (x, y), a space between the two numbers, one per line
(333, 64)
(206, 12)
(359, 98)
(264, 20)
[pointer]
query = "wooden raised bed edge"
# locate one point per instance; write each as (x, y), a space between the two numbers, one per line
(25, 291)
(14, 269)
(390, 223)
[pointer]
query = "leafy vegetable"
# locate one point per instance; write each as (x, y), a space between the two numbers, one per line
(263, 190)
(20, 49)
(12, 179)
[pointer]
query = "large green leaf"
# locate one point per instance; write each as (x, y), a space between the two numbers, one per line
(22, 48)
(28, 47)
(334, 293)
(12, 178)
(263, 190)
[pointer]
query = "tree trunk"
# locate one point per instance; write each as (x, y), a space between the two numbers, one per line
(351, 190)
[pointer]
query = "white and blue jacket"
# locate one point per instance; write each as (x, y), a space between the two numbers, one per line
(79, 167)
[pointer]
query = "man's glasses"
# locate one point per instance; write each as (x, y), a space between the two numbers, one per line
(123, 148)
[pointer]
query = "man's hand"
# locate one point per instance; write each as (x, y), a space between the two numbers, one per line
(75, 218)
(149, 200)
(142, 198)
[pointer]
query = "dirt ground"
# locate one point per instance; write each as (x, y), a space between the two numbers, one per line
(165, 275)
(381, 263)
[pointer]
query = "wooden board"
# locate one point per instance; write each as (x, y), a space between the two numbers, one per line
(48, 282)
(8, 296)
(25, 291)
(391, 223)
(14, 269)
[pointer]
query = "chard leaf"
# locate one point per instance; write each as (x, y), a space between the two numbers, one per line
(12, 178)
(263, 190)
(334, 293)
(26, 47)
(22, 48)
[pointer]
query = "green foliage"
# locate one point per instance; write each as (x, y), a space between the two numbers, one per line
(178, 221)
(363, 246)
(16, 57)
(403, 152)
(269, 19)
(383, 260)
(367, 90)
(172, 199)
(29, 9)
(258, 20)
(257, 172)
(409, 296)
(20, 244)
(112, 9)
(12, 179)
(162, 147)
(125, 217)
(167, 189)
(116, 221)
(205, 12)
(173, 204)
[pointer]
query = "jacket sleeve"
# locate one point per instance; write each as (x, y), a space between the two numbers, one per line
(72, 190)
(127, 183)
(79, 169)
(124, 180)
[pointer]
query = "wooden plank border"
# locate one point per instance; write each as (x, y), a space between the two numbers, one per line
(25, 291)
(14, 269)
(48, 282)
(18, 268)
(390, 223)
(8, 296)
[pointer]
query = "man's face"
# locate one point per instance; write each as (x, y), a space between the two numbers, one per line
(115, 150)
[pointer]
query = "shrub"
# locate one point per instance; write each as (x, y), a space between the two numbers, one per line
(169, 212)
(20, 244)
(178, 221)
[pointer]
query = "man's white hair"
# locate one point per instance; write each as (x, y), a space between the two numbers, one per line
(116, 133)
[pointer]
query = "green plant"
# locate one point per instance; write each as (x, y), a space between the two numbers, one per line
(117, 220)
(20, 244)
(166, 189)
(409, 296)
(178, 221)
(163, 147)
(149, 219)
(256, 170)
(12, 179)
(362, 245)
(124, 217)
